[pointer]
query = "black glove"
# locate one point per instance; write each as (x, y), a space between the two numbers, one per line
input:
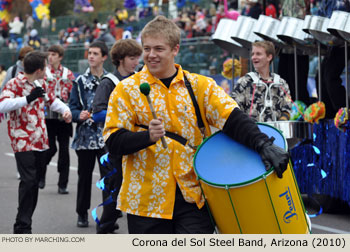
(273, 156)
(36, 93)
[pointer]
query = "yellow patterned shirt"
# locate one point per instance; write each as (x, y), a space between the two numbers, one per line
(150, 175)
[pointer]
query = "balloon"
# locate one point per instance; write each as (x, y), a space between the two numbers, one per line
(298, 109)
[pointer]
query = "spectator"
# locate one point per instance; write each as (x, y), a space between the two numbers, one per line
(29, 22)
(15, 28)
(105, 35)
(34, 39)
(45, 25)
(255, 9)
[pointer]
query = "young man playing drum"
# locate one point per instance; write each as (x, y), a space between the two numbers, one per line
(160, 192)
(263, 95)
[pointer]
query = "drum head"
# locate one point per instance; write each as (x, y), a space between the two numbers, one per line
(221, 161)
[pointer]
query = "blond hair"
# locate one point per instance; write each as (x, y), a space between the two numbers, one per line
(164, 27)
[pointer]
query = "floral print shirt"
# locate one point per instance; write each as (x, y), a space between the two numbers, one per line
(88, 134)
(58, 84)
(151, 174)
(244, 91)
(293, 8)
(26, 126)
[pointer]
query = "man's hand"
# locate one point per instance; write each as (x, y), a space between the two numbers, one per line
(156, 129)
(67, 116)
(273, 156)
(35, 94)
(84, 115)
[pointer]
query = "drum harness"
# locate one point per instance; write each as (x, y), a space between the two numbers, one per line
(268, 100)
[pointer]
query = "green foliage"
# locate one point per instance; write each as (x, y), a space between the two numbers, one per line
(61, 8)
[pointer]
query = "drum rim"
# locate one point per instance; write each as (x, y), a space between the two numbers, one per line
(245, 183)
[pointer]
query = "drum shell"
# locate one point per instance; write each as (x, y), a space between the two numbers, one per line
(243, 33)
(273, 197)
(337, 24)
(318, 28)
(222, 38)
(256, 205)
(266, 28)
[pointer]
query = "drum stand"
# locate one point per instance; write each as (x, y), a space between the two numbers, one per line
(346, 77)
(319, 70)
(295, 72)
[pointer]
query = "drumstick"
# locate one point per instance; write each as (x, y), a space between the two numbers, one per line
(145, 89)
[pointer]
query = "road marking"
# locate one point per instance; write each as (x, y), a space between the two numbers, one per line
(328, 229)
(73, 168)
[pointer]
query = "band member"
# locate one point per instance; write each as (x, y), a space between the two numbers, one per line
(88, 142)
(263, 95)
(160, 192)
(24, 99)
(125, 55)
(60, 84)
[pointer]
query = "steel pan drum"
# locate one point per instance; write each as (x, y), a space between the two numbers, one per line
(243, 33)
(294, 131)
(318, 28)
(222, 38)
(338, 23)
(242, 196)
(266, 28)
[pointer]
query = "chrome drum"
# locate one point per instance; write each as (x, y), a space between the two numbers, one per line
(318, 28)
(339, 24)
(222, 38)
(294, 131)
(243, 33)
(266, 28)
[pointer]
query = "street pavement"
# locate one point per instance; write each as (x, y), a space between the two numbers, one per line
(55, 213)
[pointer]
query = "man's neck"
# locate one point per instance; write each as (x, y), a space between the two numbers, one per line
(30, 77)
(56, 66)
(122, 71)
(264, 73)
(97, 71)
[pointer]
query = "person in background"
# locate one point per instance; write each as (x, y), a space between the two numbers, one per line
(60, 82)
(333, 64)
(24, 99)
(12, 71)
(263, 95)
(125, 55)
(2, 74)
(88, 142)
(160, 191)
(255, 9)
(286, 69)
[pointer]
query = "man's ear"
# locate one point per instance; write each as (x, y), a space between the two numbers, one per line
(176, 49)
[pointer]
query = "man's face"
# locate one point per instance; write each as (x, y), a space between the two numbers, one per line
(95, 57)
(54, 59)
(260, 59)
(159, 56)
(129, 63)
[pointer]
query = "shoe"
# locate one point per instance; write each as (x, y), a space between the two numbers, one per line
(83, 221)
(62, 190)
(100, 230)
(42, 184)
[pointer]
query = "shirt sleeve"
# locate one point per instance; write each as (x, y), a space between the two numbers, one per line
(10, 104)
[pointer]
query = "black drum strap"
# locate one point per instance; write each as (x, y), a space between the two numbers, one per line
(195, 104)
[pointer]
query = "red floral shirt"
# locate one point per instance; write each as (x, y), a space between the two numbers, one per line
(58, 84)
(26, 126)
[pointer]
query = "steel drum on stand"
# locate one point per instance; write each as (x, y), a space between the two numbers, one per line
(339, 26)
(243, 33)
(266, 28)
(222, 38)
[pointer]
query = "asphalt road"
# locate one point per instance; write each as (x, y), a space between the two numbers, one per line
(55, 213)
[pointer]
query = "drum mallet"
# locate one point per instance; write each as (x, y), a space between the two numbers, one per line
(145, 89)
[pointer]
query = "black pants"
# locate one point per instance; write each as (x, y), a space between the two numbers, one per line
(60, 131)
(333, 92)
(286, 70)
(187, 219)
(110, 213)
(86, 164)
(29, 164)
